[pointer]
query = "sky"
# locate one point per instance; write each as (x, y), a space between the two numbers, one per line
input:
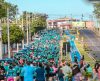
(55, 7)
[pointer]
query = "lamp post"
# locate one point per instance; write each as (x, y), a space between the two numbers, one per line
(8, 33)
(27, 28)
(17, 24)
(61, 45)
(22, 30)
(29, 25)
(0, 41)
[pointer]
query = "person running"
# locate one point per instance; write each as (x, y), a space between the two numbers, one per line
(20, 72)
(47, 69)
(28, 72)
(99, 72)
(16, 71)
(89, 72)
(67, 71)
(60, 74)
(77, 75)
(40, 73)
(2, 72)
(95, 72)
(10, 74)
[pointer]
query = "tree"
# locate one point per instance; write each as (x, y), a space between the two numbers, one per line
(97, 10)
(3, 9)
(38, 22)
(16, 34)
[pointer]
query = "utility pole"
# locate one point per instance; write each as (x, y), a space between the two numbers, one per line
(71, 19)
(8, 33)
(0, 40)
(27, 28)
(16, 24)
(22, 30)
(61, 45)
(32, 17)
(16, 17)
(82, 17)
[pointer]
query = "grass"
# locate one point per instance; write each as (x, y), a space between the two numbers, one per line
(88, 59)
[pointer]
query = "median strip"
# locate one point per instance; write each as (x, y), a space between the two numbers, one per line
(88, 59)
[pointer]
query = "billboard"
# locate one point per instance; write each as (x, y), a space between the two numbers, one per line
(78, 24)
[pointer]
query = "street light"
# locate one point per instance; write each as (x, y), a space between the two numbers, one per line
(8, 33)
(22, 30)
(0, 41)
(17, 24)
(27, 28)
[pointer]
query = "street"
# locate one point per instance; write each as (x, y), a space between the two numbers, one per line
(93, 42)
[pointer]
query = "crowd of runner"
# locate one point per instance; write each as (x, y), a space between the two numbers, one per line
(40, 62)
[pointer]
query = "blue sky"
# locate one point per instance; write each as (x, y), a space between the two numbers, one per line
(54, 7)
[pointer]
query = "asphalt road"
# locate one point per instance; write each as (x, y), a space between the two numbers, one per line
(93, 42)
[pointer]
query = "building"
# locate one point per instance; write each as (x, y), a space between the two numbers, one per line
(83, 24)
(65, 23)
(89, 25)
(68, 23)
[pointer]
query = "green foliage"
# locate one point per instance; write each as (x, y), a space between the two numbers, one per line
(4, 34)
(39, 22)
(3, 9)
(97, 10)
(16, 34)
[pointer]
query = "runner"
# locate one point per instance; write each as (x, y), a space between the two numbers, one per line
(40, 73)
(28, 72)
